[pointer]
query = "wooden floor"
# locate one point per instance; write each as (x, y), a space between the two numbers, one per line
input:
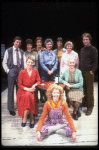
(14, 135)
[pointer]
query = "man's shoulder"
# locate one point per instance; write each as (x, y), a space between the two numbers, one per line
(35, 49)
(9, 49)
(93, 47)
(21, 50)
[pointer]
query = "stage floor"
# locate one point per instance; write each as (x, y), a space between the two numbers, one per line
(12, 134)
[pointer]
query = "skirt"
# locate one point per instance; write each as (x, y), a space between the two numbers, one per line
(75, 95)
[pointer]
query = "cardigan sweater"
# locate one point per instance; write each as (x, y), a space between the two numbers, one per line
(46, 109)
(78, 79)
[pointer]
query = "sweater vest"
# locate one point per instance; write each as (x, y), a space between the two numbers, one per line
(10, 59)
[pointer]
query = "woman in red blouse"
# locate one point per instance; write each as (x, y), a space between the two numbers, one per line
(26, 98)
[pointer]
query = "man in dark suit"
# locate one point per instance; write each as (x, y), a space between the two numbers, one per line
(13, 63)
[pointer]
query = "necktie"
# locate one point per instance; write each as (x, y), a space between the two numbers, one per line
(17, 57)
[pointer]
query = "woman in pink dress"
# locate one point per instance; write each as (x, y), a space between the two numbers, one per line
(26, 98)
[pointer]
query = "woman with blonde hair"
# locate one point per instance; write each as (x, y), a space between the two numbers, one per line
(73, 80)
(26, 96)
(51, 119)
(68, 54)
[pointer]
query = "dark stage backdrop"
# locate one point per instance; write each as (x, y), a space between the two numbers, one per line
(68, 20)
(49, 19)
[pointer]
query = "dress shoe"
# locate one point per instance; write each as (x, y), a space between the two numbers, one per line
(78, 113)
(23, 124)
(12, 113)
(31, 125)
(88, 112)
(42, 100)
(75, 117)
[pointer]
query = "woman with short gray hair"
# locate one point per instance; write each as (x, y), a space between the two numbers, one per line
(48, 40)
(68, 54)
(48, 61)
(73, 80)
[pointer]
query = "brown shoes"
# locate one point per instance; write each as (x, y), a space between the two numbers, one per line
(88, 112)
(75, 117)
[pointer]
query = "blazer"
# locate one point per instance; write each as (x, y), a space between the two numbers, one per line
(78, 79)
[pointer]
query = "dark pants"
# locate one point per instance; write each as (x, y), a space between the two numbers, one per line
(45, 75)
(88, 89)
(12, 80)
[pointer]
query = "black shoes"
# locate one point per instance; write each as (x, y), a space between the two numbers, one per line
(78, 113)
(75, 117)
(88, 112)
(31, 125)
(23, 124)
(12, 113)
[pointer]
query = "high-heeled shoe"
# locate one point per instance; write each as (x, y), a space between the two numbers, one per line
(31, 125)
(23, 124)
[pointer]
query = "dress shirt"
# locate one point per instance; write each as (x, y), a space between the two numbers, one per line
(64, 60)
(48, 58)
(4, 63)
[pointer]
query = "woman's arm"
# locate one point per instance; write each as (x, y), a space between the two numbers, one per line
(80, 84)
(20, 80)
(68, 116)
(46, 108)
(42, 62)
(36, 60)
(61, 78)
(37, 79)
(77, 61)
(56, 63)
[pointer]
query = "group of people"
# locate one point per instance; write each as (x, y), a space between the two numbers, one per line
(27, 69)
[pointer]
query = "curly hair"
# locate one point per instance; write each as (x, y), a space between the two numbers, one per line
(54, 87)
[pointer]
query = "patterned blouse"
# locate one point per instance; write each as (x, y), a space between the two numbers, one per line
(48, 58)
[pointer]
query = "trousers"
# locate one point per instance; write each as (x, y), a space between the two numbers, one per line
(12, 80)
(88, 89)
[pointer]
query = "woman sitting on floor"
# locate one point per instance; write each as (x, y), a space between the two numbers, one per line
(51, 119)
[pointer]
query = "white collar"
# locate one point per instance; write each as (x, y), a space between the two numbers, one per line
(14, 48)
(69, 53)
